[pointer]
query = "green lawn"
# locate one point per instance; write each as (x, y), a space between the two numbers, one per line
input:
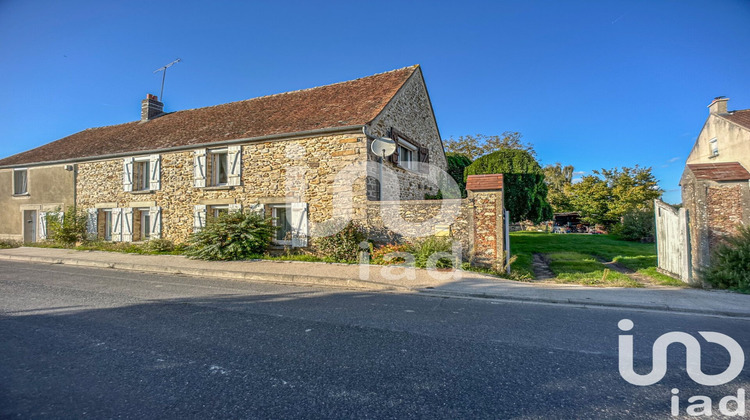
(572, 258)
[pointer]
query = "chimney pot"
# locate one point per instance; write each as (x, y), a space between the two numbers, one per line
(151, 107)
(718, 105)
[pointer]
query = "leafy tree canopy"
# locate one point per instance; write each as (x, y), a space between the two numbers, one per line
(607, 195)
(559, 179)
(480, 145)
(525, 189)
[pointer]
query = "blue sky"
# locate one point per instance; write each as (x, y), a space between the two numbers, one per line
(590, 83)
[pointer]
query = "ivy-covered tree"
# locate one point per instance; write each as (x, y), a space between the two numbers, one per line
(457, 163)
(523, 179)
(474, 146)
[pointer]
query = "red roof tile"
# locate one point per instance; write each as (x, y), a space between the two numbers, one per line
(484, 182)
(355, 102)
(741, 117)
(729, 171)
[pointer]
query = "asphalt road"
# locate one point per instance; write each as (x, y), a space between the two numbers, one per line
(78, 343)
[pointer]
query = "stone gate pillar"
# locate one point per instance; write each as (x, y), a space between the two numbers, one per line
(487, 236)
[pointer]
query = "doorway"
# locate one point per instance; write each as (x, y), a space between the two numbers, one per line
(29, 225)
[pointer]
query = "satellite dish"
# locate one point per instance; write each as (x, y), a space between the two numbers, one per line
(383, 146)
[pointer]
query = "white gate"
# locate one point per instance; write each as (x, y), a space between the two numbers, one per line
(672, 241)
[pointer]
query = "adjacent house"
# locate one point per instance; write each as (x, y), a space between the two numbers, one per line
(162, 176)
(715, 188)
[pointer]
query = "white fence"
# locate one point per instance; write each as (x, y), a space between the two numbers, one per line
(672, 241)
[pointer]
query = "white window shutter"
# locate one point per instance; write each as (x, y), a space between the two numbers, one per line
(155, 215)
(127, 224)
(127, 174)
(155, 176)
(299, 224)
(117, 225)
(92, 223)
(259, 209)
(234, 159)
(199, 217)
(234, 207)
(199, 167)
(42, 226)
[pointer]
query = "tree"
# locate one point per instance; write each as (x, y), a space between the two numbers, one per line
(456, 165)
(605, 197)
(559, 180)
(523, 179)
(480, 145)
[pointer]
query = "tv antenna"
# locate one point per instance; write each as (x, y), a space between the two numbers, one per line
(164, 76)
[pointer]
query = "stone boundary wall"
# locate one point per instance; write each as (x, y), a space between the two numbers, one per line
(477, 222)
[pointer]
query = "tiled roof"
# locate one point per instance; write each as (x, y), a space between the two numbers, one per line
(484, 182)
(355, 102)
(729, 171)
(739, 117)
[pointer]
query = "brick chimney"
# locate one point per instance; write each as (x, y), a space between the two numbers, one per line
(152, 108)
(718, 105)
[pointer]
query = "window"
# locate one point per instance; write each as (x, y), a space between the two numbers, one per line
(20, 182)
(282, 220)
(145, 225)
(219, 166)
(406, 153)
(714, 144)
(107, 224)
(216, 211)
(142, 177)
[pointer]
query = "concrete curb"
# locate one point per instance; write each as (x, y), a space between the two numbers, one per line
(223, 274)
(310, 280)
(576, 302)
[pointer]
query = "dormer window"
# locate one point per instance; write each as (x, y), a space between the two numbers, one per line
(714, 146)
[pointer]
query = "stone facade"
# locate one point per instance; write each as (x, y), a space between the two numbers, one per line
(288, 170)
(299, 170)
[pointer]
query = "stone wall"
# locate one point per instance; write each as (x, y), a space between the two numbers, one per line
(477, 222)
(410, 112)
(301, 170)
(715, 210)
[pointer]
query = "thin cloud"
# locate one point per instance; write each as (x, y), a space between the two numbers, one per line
(579, 173)
(674, 159)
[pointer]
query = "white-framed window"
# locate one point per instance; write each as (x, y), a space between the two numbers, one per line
(407, 154)
(145, 224)
(219, 167)
(20, 181)
(108, 224)
(142, 174)
(282, 219)
(218, 210)
(714, 147)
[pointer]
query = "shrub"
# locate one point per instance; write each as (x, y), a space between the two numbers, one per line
(68, 230)
(8, 243)
(342, 246)
(422, 249)
(730, 263)
(159, 246)
(637, 225)
(380, 253)
(232, 236)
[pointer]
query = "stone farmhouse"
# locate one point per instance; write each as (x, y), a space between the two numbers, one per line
(715, 188)
(162, 176)
(282, 155)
